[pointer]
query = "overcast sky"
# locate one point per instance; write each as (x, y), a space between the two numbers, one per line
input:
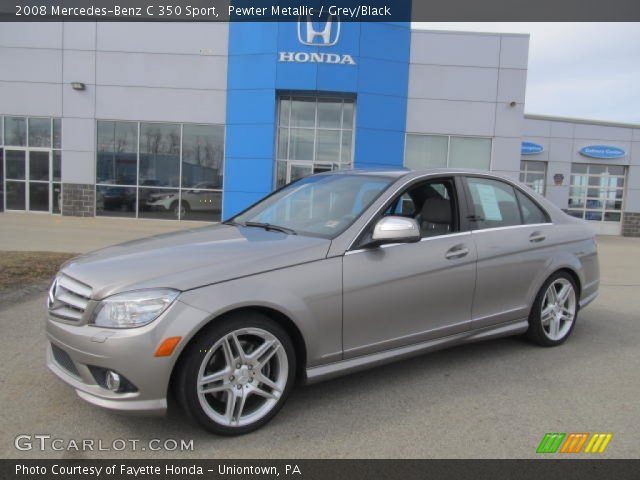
(586, 70)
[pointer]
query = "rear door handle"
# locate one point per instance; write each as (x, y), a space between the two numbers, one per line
(536, 237)
(457, 251)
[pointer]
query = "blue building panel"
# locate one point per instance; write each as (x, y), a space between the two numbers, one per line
(251, 106)
(385, 41)
(253, 175)
(297, 76)
(235, 202)
(250, 141)
(379, 148)
(384, 77)
(368, 61)
(381, 112)
(253, 71)
(246, 38)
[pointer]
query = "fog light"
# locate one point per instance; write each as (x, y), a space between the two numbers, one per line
(112, 381)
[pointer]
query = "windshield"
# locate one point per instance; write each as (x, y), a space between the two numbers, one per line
(321, 205)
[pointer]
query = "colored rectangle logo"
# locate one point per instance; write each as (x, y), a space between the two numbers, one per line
(573, 443)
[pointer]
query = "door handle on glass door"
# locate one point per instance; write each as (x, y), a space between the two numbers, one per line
(457, 251)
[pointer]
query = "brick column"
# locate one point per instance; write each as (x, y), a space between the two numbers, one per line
(631, 224)
(78, 199)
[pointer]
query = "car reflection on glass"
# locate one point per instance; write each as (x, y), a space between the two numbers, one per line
(200, 198)
(115, 198)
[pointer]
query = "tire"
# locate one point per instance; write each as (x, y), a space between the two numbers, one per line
(236, 400)
(551, 322)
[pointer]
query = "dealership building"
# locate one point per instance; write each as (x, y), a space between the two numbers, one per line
(196, 121)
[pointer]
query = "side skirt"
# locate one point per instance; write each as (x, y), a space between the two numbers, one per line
(352, 365)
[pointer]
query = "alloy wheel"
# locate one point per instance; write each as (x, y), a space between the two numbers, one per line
(242, 377)
(558, 310)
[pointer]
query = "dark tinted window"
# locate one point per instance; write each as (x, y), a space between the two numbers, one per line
(431, 204)
(494, 203)
(531, 213)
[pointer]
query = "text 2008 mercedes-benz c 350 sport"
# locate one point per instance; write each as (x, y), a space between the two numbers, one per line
(331, 274)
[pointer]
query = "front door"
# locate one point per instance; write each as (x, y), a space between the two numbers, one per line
(401, 294)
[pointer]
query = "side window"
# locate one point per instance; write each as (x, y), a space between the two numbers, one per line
(403, 207)
(431, 204)
(494, 202)
(531, 213)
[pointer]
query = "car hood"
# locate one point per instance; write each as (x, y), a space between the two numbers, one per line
(192, 258)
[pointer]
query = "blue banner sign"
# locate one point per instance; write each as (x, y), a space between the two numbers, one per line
(530, 148)
(602, 151)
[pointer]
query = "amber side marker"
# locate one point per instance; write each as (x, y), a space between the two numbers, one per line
(167, 346)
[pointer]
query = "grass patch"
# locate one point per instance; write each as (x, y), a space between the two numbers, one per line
(18, 269)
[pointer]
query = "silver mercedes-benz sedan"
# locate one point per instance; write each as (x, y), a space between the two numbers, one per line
(329, 275)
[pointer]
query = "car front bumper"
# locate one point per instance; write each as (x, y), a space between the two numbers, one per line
(76, 352)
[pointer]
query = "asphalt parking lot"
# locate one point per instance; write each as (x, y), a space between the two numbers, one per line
(488, 400)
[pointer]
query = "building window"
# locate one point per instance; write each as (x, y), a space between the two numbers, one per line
(597, 192)
(159, 170)
(533, 175)
(436, 151)
(315, 134)
(31, 163)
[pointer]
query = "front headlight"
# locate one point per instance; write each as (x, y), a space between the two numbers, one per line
(133, 309)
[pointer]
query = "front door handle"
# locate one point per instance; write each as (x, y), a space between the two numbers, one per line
(536, 237)
(457, 251)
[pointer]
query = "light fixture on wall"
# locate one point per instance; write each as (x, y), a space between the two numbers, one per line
(78, 86)
(512, 104)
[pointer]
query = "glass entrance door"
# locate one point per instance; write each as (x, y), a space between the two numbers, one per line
(297, 171)
(315, 134)
(27, 180)
(15, 184)
(39, 195)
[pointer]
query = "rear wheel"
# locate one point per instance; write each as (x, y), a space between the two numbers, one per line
(237, 374)
(555, 311)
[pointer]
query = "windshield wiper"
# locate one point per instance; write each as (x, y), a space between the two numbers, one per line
(268, 226)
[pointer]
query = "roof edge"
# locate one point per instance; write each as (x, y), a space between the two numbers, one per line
(584, 121)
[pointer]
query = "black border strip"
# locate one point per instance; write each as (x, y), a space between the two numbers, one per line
(542, 469)
(394, 10)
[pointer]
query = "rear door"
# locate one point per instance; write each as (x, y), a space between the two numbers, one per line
(512, 235)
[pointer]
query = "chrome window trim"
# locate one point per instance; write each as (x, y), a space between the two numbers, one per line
(445, 173)
(509, 227)
(426, 239)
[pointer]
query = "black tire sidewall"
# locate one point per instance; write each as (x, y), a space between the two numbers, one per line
(536, 331)
(189, 367)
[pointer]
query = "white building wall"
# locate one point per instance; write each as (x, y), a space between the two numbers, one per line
(464, 84)
(562, 140)
(172, 72)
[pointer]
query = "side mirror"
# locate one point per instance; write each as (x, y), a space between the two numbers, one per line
(395, 230)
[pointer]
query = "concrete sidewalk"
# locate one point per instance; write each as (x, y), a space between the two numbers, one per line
(52, 233)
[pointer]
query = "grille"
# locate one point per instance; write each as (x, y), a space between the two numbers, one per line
(63, 359)
(68, 298)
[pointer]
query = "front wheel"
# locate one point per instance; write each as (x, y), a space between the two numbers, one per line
(237, 374)
(554, 312)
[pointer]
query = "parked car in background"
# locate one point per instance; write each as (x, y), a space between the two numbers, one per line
(329, 275)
